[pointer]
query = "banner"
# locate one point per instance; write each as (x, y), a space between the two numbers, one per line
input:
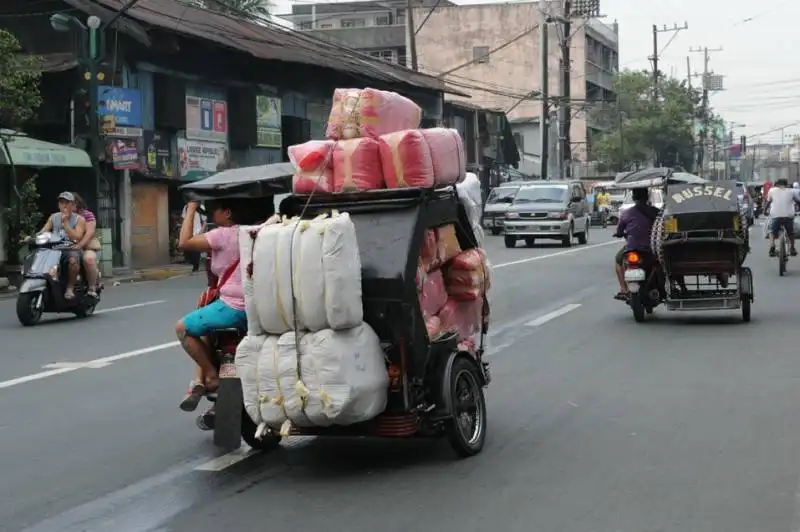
(206, 119)
(119, 107)
(268, 122)
(124, 154)
(159, 160)
(199, 159)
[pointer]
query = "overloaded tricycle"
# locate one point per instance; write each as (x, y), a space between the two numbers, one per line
(435, 380)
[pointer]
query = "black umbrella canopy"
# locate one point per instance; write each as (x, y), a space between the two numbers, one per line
(251, 181)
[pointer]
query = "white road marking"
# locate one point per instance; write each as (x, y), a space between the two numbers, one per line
(553, 315)
(127, 307)
(556, 254)
(67, 367)
(227, 460)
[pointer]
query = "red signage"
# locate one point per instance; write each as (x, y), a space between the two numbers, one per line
(220, 117)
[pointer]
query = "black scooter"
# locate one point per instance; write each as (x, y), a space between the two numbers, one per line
(44, 275)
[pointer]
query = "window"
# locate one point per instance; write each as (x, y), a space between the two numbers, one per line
(353, 23)
(519, 140)
(325, 26)
(386, 55)
(382, 20)
(480, 54)
(401, 18)
(305, 25)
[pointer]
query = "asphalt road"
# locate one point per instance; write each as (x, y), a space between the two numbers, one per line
(596, 424)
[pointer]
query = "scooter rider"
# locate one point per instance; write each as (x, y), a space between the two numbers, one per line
(67, 225)
(635, 225)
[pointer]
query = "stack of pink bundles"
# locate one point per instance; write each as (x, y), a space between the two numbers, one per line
(313, 165)
(370, 113)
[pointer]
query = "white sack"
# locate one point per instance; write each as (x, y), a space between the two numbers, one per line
(289, 380)
(272, 280)
(470, 195)
(271, 395)
(342, 273)
(246, 245)
(248, 354)
(309, 281)
(345, 375)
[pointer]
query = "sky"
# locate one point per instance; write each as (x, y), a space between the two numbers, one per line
(760, 56)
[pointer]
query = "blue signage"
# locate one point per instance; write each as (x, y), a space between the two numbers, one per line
(122, 107)
(206, 116)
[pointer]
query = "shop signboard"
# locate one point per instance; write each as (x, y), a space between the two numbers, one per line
(124, 154)
(268, 122)
(120, 109)
(198, 159)
(206, 119)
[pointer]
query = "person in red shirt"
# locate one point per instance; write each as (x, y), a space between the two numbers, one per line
(765, 189)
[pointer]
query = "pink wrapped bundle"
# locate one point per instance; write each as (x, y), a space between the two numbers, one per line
(429, 254)
(467, 276)
(434, 327)
(433, 296)
(312, 162)
(370, 113)
(357, 165)
(463, 317)
(447, 154)
(446, 243)
(406, 160)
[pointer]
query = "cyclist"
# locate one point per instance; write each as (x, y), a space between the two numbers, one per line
(781, 201)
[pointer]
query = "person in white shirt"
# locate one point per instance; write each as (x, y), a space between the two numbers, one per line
(193, 257)
(781, 201)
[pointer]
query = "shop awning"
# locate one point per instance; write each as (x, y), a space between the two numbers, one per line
(26, 151)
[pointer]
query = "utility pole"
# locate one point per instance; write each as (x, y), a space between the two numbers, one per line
(565, 114)
(707, 86)
(412, 35)
(544, 88)
(656, 30)
(688, 72)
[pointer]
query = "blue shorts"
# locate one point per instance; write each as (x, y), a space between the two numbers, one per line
(776, 224)
(217, 315)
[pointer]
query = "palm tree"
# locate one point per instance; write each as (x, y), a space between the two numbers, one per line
(248, 9)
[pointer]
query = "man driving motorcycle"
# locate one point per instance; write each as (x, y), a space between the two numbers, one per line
(69, 226)
(635, 225)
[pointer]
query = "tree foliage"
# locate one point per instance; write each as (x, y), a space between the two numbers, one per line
(19, 83)
(248, 9)
(641, 131)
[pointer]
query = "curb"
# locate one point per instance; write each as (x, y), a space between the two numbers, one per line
(145, 276)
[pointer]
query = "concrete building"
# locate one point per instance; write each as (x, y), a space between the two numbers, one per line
(376, 28)
(457, 35)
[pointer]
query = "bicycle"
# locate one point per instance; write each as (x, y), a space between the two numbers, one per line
(783, 256)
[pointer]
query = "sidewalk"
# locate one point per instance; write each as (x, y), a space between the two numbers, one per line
(158, 273)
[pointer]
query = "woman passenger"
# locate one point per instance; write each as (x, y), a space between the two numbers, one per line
(222, 245)
(89, 244)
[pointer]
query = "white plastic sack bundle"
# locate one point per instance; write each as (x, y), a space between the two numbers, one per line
(344, 374)
(471, 196)
(272, 279)
(309, 281)
(246, 244)
(342, 273)
(281, 393)
(248, 354)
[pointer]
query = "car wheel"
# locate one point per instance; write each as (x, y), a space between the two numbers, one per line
(583, 238)
(566, 241)
(511, 241)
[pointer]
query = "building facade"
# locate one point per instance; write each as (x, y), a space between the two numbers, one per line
(376, 28)
(458, 39)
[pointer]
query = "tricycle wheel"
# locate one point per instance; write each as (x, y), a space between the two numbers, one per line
(467, 430)
(745, 309)
(268, 442)
(637, 306)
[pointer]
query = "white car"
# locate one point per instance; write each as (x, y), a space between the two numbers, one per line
(656, 199)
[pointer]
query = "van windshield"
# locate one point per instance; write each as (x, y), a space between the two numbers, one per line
(542, 194)
(502, 195)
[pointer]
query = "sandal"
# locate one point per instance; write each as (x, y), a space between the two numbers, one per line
(621, 296)
(193, 396)
(69, 294)
(206, 421)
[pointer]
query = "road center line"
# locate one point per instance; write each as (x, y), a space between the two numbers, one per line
(541, 320)
(556, 254)
(63, 367)
(127, 307)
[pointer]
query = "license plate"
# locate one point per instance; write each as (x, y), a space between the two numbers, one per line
(634, 275)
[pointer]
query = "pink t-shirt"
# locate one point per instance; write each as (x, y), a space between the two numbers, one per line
(224, 242)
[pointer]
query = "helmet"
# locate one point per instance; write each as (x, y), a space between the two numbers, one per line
(796, 185)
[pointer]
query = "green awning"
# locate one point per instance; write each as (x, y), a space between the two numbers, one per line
(26, 151)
